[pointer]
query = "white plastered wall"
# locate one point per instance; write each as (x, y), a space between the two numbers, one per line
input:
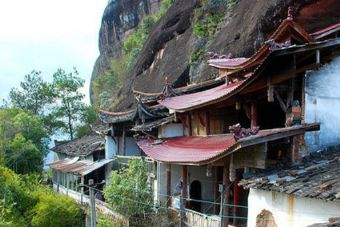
(110, 147)
(170, 130)
(289, 210)
(322, 104)
(199, 173)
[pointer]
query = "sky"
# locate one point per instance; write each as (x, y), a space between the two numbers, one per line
(45, 35)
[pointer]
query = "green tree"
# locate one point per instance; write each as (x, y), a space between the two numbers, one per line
(36, 96)
(33, 95)
(23, 140)
(70, 106)
(88, 117)
(23, 156)
(128, 191)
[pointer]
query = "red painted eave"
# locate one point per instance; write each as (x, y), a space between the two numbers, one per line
(326, 29)
(227, 62)
(193, 149)
(185, 102)
(202, 150)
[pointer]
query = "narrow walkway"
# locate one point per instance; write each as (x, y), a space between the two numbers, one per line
(101, 207)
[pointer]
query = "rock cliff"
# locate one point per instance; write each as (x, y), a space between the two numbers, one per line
(173, 48)
(120, 18)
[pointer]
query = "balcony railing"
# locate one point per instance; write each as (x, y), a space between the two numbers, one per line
(196, 219)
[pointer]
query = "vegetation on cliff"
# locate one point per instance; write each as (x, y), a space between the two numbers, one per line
(207, 21)
(107, 85)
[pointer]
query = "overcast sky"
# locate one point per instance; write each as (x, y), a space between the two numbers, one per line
(45, 35)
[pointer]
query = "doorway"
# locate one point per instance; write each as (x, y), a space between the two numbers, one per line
(195, 195)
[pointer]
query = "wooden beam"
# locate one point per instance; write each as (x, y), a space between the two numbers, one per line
(277, 78)
(281, 102)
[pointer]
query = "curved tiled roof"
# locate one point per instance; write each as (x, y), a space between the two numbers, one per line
(83, 146)
(201, 150)
(317, 176)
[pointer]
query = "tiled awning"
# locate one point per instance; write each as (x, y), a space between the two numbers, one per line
(316, 176)
(201, 150)
(81, 168)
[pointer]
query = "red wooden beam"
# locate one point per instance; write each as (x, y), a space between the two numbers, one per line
(236, 199)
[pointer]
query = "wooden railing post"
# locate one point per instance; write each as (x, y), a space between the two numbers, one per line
(92, 204)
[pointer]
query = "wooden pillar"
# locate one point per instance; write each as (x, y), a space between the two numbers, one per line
(215, 187)
(253, 114)
(236, 200)
(168, 184)
(317, 56)
(82, 181)
(270, 90)
(67, 183)
(303, 99)
(189, 123)
(183, 195)
(207, 122)
(226, 194)
(185, 182)
(124, 142)
(295, 148)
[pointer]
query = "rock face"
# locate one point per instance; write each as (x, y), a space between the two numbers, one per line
(119, 20)
(168, 49)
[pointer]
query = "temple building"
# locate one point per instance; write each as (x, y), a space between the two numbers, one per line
(270, 111)
(79, 160)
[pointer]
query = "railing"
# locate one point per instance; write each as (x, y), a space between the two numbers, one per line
(196, 219)
(84, 200)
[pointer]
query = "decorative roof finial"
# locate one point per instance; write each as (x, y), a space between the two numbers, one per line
(168, 91)
(290, 13)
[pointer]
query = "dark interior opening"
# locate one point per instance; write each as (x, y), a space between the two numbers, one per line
(195, 194)
(241, 210)
(270, 115)
(279, 151)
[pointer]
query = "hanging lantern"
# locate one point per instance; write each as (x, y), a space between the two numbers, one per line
(238, 105)
(209, 171)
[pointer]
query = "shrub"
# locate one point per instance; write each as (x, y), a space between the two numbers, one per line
(56, 211)
(128, 191)
(197, 56)
(26, 203)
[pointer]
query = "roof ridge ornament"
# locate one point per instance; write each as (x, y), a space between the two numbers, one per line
(290, 13)
(168, 90)
(240, 133)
